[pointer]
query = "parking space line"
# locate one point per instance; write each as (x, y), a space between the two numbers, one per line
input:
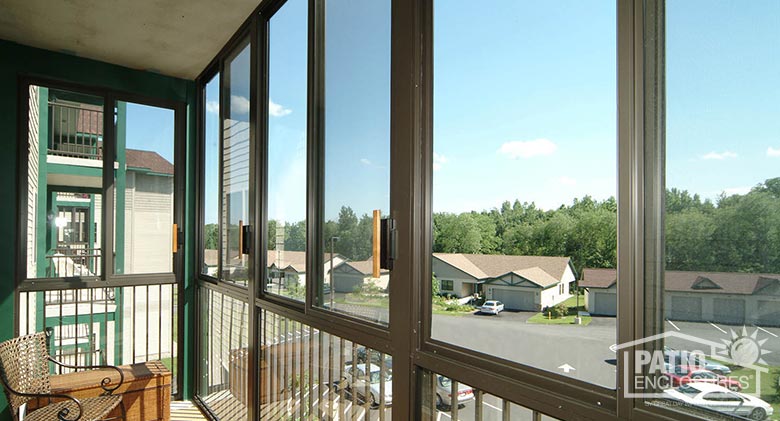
(716, 327)
(673, 325)
(494, 407)
(764, 330)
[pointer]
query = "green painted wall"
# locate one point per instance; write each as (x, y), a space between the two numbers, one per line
(17, 60)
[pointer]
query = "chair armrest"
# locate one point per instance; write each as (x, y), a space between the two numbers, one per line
(105, 382)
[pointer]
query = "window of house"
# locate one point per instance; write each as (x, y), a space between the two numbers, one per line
(713, 281)
(356, 173)
(210, 182)
(287, 91)
(235, 166)
(446, 285)
(524, 177)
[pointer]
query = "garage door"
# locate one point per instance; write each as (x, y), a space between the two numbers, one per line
(686, 308)
(515, 300)
(346, 283)
(604, 303)
(729, 311)
(768, 313)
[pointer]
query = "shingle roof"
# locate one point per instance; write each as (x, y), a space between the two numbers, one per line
(537, 276)
(295, 260)
(366, 267)
(598, 278)
(149, 160)
(687, 281)
(491, 266)
(494, 265)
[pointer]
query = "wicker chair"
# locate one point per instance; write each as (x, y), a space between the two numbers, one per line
(24, 372)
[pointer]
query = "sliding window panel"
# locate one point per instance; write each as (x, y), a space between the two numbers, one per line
(357, 158)
(64, 184)
(223, 347)
(524, 182)
(713, 285)
(235, 166)
(144, 189)
(287, 86)
(210, 182)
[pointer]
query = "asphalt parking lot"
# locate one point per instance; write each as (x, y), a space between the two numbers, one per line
(586, 349)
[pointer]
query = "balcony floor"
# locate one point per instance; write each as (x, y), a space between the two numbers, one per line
(185, 411)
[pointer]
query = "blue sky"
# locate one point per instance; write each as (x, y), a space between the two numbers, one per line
(525, 102)
(150, 129)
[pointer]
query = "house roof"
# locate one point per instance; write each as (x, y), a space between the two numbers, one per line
(538, 276)
(366, 267)
(149, 160)
(295, 260)
(598, 278)
(689, 281)
(491, 266)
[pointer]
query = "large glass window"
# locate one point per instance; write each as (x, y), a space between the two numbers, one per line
(718, 147)
(357, 157)
(235, 166)
(210, 184)
(286, 216)
(524, 184)
(64, 182)
(144, 181)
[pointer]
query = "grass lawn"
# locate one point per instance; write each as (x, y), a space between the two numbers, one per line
(542, 319)
(767, 390)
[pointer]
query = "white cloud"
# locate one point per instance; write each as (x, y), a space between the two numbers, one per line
(736, 190)
(365, 161)
(719, 156)
(277, 110)
(212, 107)
(438, 161)
(770, 151)
(567, 181)
(239, 104)
(528, 149)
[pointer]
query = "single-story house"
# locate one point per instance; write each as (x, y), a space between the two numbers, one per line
(722, 297)
(527, 283)
(349, 275)
(289, 267)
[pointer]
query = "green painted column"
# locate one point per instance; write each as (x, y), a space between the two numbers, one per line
(41, 217)
(120, 182)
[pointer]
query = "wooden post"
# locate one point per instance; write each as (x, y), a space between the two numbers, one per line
(377, 241)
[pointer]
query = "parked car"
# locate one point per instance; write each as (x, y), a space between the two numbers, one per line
(365, 382)
(444, 393)
(677, 357)
(492, 307)
(718, 398)
(684, 374)
(375, 358)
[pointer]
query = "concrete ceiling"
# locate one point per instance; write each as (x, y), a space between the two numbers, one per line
(173, 37)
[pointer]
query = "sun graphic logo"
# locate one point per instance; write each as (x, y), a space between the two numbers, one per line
(745, 349)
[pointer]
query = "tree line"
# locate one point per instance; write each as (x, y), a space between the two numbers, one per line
(733, 233)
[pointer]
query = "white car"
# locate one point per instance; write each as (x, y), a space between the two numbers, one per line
(719, 398)
(368, 386)
(492, 307)
(444, 393)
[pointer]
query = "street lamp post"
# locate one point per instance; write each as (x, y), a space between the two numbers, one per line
(332, 289)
